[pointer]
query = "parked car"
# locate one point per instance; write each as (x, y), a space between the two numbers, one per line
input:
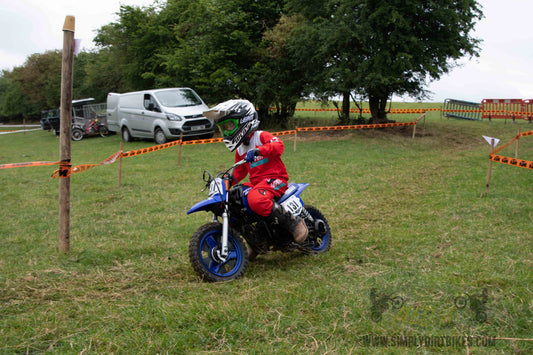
(159, 114)
(50, 118)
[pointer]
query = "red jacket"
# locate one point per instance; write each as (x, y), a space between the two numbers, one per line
(267, 165)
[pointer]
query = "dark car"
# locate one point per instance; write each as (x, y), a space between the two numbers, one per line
(50, 118)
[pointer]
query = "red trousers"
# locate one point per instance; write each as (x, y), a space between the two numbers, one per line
(260, 197)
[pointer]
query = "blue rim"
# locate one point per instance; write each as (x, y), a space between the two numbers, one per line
(324, 238)
(209, 244)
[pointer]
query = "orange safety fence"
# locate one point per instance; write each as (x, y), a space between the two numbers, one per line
(65, 168)
(507, 109)
(23, 165)
(512, 161)
(367, 110)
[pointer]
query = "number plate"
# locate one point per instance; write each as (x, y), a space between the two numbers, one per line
(293, 204)
(197, 128)
(216, 187)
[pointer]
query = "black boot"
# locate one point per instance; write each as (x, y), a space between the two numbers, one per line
(295, 225)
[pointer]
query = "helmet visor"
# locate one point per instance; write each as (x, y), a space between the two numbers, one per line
(228, 127)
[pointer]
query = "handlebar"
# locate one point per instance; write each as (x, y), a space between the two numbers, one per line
(224, 174)
(238, 163)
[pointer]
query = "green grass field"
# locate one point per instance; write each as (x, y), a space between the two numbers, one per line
(417, 254)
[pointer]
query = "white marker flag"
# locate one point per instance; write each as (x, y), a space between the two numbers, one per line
(489, 139)
(77, 46)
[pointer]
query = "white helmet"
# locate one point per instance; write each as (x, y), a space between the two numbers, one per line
(236, 120)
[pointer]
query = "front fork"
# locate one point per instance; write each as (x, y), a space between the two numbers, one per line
(224, 250)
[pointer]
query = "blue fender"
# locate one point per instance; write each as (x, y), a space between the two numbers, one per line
(204, 205)
(294, 189)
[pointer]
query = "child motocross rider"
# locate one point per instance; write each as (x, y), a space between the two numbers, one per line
(238, 123)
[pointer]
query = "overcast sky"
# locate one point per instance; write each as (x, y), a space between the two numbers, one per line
(504, 69)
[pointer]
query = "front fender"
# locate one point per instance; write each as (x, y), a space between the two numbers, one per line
(205, 204)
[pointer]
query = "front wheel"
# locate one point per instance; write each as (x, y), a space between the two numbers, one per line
(204, 254)
(159, 136)
(319, 239)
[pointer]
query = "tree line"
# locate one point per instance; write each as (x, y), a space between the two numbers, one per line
(271, 52)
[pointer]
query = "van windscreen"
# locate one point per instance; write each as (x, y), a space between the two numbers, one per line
(178, 98)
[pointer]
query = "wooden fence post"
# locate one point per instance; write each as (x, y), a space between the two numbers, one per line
(295, 137)
(490, 166)
(65, 114)
(179, 151)
(120, 165)
(517, 140)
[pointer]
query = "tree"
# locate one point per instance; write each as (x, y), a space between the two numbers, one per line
(40, 79)
(129, 50)
(221, 50)
(13, 103)
(377, 48)
(32, 87)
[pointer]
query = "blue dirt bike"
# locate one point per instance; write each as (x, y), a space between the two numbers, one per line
(217, 251)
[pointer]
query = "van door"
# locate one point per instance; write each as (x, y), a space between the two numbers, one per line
(150, 114)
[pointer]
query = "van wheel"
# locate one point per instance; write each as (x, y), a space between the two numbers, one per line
(159, 136)
(126, 136)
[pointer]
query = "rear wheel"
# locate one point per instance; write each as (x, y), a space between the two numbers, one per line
(126, 136)
(204, 254)
(319, 239)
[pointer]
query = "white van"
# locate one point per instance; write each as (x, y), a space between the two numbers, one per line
(159, 114)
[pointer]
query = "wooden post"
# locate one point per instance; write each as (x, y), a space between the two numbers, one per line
(295, 137)
(414, 130)
(179, 150)
(490, 166)
(65, 114)
(120, 166)
(516, 147)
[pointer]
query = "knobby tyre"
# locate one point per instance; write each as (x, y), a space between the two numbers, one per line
(203, 248)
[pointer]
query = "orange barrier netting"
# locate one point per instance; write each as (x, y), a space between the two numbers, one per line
(512, 161)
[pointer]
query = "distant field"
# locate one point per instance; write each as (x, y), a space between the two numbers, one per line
(418, 256)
